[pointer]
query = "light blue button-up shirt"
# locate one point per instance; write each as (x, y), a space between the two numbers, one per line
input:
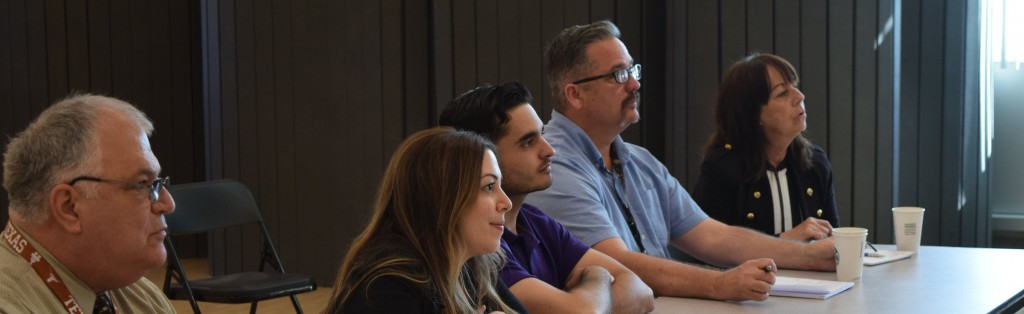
(583, 195)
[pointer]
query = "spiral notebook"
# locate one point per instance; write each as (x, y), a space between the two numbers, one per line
(808, 288)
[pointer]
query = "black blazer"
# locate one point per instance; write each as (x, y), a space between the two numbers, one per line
(723, 192)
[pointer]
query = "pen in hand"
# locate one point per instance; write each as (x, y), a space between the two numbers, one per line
(768, 269)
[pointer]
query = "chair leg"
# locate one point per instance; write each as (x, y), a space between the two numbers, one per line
(295, 302)
(195, 305)
(252, 308)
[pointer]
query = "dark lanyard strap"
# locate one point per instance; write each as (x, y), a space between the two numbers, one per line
(628, 214)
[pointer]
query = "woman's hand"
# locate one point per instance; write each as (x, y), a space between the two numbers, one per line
(810, 229)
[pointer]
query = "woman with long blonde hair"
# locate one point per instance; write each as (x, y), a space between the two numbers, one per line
(431, 244)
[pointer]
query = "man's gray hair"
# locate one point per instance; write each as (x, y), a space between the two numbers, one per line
(567, 55)
(61, 143)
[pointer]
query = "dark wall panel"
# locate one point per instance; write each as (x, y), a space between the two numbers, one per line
(143, 53)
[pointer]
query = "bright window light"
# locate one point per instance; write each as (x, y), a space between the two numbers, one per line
(1007, 28)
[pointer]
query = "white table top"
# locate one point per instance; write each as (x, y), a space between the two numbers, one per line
(935, 280)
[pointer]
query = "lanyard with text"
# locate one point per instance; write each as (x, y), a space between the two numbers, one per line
(41, 266)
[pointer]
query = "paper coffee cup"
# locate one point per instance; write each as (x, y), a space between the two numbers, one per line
(849, 246)
(906, 223)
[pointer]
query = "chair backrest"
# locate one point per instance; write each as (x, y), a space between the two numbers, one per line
(210, 205)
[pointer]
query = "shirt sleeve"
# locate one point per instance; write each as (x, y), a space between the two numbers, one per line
(513, 271)
(571, 249)
(574, 199)
(682, 212)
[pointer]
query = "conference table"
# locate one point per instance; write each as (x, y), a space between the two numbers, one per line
(935, 280)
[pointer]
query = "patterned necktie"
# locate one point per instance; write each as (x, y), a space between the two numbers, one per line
(103, 304)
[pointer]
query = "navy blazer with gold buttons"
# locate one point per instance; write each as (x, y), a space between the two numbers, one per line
(725, 194)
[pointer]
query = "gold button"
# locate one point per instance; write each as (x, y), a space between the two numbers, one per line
(750, 216)
(810, 192)
(757, 194)
(728, 146)
(819, 212)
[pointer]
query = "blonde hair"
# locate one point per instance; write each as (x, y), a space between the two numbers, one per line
(431, 180)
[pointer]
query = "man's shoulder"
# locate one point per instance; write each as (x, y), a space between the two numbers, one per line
(14, 271)
(537, 218)
(23, 291)
(142, 296)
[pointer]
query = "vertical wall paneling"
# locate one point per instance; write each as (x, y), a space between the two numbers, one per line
(78, 43)
(420, 107)
(531, 54)
(487, 39)
(576, 12)
(444, 52)
(975, 223)
(813, 70)
(552, 22)
(760, 26)
(464, 30)
(654, 100)
(906, 116)
(508, 38)
(733, 42)
(7, 118)
(392, 85)
(938, 114)
(885, 98)
(98, 17)
(864, 113)
(929, 158)
(952, 149)
(703, 75)
(605, 10)
(676, 87)
(841, 104)
(787, 30)
(140, 52)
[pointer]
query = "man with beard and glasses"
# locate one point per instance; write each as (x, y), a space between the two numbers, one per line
(620, 200)
(548, 269)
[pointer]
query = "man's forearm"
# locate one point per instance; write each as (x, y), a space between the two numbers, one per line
(596, 292)
(728, 246)
(631, 295)
(667, 277)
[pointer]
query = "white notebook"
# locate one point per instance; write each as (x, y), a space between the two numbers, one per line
(884, 256)
(807, 288)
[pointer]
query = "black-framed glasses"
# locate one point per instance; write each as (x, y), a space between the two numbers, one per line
(154, 188)
(620, 75)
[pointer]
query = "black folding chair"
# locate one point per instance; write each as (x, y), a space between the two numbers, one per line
(207, 206)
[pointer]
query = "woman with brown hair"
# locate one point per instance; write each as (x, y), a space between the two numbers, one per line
(431, 245)
(758, 170)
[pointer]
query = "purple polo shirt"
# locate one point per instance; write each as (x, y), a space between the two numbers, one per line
(543, 249)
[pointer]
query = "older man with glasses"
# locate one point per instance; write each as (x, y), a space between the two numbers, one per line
(620, 200)
(86, 212)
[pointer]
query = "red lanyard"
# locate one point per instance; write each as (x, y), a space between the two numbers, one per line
(21, 245)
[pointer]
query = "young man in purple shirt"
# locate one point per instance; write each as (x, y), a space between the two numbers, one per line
(548, 269)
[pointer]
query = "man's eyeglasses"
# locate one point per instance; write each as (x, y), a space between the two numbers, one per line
(620, 75)
(154, 188)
